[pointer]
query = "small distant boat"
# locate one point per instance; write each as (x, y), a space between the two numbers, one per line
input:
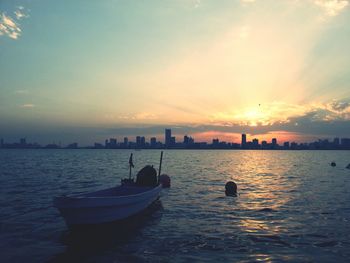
(112, 204)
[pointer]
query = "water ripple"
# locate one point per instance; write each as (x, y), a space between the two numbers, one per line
(292, 206)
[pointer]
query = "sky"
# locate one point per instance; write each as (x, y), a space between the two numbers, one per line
(88, 70)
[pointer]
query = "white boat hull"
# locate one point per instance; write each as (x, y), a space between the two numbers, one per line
(102, 207)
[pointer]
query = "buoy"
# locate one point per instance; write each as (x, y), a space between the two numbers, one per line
(348, 167)
(164, 179)
(333, 164)
(231, 189)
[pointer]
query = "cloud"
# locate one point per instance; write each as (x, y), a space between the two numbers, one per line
(9, 26)
(197, 3)
(330, 118)
(20, 15)
(331, 7)
(337, 110)
(141, 116)
(25, 106)
(340, 106)
(21, 91)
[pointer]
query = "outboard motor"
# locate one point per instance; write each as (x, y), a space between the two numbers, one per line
(147, 176)
(164, 179)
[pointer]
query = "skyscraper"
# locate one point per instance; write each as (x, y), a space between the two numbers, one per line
(138, 141)
(167, 137)
(274, 143)
(143, 141)
(244, 140)
(126, 141)
(186, 138)
(112, 142)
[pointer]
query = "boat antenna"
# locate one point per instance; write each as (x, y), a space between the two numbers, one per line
(131, 165)
(160, 165)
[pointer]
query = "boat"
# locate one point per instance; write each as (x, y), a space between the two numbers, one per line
(106, 205)
(112, 204)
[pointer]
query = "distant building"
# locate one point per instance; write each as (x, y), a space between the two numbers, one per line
(73, 145)
(98, 145)
(143, 141)
(264, 145)
(255, 143)
(336, 142)
(286, 145)
(113, 143)
(186, 139)
(153, 142)
(126, 141)
(138, 141)
(345, 143)
(294, 146)
(244, 140)
(23, 142)
(274, 141)
(215, 142)
(167, 137)
(172, 141)
(52, 146)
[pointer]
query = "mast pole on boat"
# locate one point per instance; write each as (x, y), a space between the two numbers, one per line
(131, 164)
(160, 165)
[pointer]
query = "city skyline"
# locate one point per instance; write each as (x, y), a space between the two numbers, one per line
(89, 70)
(189, 142)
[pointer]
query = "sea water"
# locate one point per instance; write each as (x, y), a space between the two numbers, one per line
(292, 207)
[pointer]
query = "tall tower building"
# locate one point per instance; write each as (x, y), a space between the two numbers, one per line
(244, 140)
(186, 138)
(167, 137)
(138, 141)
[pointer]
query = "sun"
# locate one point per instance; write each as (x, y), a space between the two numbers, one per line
(253, 116)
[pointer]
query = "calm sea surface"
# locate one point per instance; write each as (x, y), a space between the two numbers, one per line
(292, 207)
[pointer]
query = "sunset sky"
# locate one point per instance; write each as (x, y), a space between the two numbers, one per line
(88, 70)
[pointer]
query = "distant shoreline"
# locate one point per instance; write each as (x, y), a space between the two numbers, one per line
(176, 149)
